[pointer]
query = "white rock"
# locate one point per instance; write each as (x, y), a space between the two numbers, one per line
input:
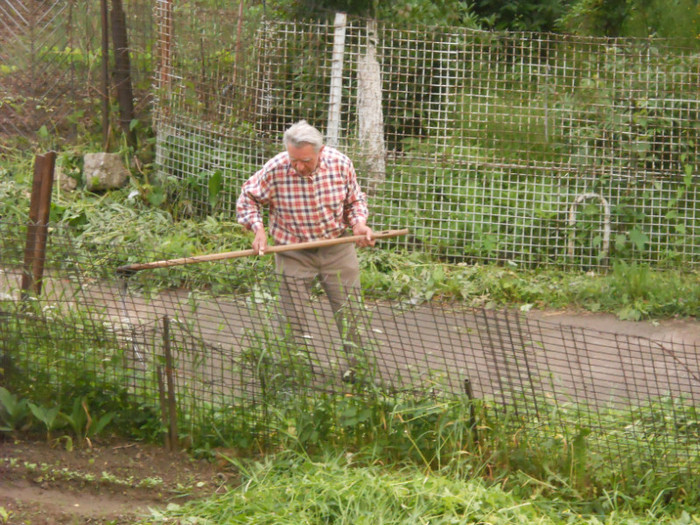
(104, 171)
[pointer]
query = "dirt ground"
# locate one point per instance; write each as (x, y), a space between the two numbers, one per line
(114, 482)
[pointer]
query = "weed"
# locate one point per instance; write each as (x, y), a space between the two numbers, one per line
(5, 515)
(82, 423)
(48, 416)
(14, 412)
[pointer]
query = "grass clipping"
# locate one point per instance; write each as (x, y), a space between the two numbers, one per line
(295, 490)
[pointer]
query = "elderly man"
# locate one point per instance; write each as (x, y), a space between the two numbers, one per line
(311, 192)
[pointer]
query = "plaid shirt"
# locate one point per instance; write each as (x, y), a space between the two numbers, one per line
(321, 206)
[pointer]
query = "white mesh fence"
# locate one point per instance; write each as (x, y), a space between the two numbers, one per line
(521, 147)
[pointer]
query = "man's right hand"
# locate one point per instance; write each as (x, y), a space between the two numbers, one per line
(260, 241)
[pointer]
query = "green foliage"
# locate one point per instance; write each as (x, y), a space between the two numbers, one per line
(427, 13)
(424, 12)
(644, 133)
(472, 205)
(200, 182)
(82, 423)
(354, 456)
(629, 290)
(676, 19)
(16, 417)
(5, 515)
(635, 291)
(591, 17)
(47, 415)
(15, 177)
(290, 489)
(121, 228)
(86, 391)
(521, 15)
(14, 412)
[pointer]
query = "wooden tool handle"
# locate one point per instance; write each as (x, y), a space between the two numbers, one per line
(130, 268)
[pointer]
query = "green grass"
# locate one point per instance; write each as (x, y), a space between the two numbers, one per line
(295, 489)
(291, 489)
(343, 459)
(630, 291)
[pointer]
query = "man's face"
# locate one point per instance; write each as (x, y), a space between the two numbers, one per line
(304, 159)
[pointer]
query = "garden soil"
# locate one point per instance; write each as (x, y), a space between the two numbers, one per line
(110, 482)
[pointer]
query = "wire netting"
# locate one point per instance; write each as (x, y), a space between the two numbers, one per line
(232, 361)
(50, 77)
(490, 146)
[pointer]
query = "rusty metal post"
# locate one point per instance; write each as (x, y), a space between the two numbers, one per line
(472, 416)
(163, 407)
(37, 228)
(172, 405)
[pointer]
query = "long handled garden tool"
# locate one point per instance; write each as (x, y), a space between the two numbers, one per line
(132, 268)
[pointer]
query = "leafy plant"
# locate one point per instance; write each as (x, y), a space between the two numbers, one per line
(47, 415)
(82, 423)
(639, 18)
(5, 515)
(14, 412)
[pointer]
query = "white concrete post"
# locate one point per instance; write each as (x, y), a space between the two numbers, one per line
(336, 94)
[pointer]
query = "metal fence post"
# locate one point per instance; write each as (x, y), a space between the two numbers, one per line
(472, 416)
(37, 228)
(172, 404)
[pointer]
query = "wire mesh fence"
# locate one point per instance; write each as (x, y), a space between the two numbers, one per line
(529, 148)
(521, 147)
(51, 82)
(231, 361)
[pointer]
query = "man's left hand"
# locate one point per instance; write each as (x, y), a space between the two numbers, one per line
(362, 229)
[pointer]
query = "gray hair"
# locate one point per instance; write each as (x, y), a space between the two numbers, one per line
(301, 134)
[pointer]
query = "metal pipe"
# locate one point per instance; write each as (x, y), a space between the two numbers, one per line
(606, 221)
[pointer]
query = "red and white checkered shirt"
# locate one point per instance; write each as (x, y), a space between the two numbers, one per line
(301, 209)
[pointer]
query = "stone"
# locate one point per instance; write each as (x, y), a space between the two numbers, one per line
(104, 171)
(65, 182)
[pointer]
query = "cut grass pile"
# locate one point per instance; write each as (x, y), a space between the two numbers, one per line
(294, 489)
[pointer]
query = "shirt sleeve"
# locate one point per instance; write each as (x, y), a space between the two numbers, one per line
(254, 195)
(355, 200)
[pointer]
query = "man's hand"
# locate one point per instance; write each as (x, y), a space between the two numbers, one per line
(361, 228)
(260, 241)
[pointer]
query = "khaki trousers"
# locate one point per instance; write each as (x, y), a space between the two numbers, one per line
(338, 271)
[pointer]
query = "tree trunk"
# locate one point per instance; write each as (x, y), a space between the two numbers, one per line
(104, 11)
(122, 71)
